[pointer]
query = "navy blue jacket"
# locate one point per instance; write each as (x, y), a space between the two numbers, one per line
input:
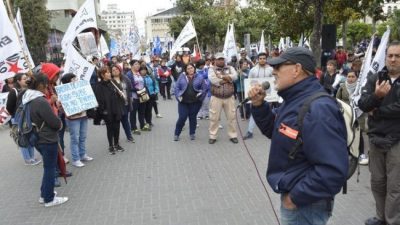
(320, 167)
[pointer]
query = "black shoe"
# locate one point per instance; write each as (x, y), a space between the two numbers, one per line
(67, 174)
(248, 136)
(111, 150)
(374, 221)
(234, 140)
(192, 137)
(212, 141)
(131, 140)
(119, 148)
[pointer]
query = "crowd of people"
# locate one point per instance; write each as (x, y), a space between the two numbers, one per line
(127, 91)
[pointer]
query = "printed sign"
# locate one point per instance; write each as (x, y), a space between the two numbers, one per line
(272, 94)
(76, 97)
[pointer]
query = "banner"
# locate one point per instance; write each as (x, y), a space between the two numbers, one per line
(103, 48)
(83, 19)
(87, 43)
(272, 94)
(133, 41)
(188, 32)
(368, 68)
(76, 97)
(261, 49)
(12, 60)
(21, 34)
(157, 49)
(230, 48)
(77, 65)
(4, 116)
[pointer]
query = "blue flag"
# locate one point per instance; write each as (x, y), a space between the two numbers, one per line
(157, 46)
(113, 48)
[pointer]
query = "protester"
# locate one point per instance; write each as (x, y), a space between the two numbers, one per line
(341, 57)
(165, 80)
(222, 90)
(243, 74)
(137, 85)
(126, 86)
(309, 181)
(189, 91)
(202, 71)
(14, 100)
(380, 99)
(329, 76)
(9, 85)
(42, 113)
(78, 125)
(152, 89)
(111, 102)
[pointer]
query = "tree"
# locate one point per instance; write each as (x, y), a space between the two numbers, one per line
(36, 26)
(358, 31)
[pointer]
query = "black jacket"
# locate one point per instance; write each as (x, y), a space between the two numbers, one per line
(111, 104)
(12, 101)
(385, 120)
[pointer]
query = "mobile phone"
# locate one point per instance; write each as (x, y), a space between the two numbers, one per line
(382, 76)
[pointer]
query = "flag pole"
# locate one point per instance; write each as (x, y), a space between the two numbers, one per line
(11, 15)
(197, 40)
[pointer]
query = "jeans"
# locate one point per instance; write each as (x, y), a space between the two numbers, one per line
(125, 122)
(139, 109)
(185, 111)
(28, 153)
(78, 132)
(317, 213)
(49, 155)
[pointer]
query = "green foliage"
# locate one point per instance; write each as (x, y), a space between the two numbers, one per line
(358, 31)
(36, 26)
(394, 23)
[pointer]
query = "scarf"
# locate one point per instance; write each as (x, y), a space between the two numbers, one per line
(350, 88)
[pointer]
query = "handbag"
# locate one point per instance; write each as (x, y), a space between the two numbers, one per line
(143, 95)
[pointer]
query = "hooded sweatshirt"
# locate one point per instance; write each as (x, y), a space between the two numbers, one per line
(43, 116)
(50, 70)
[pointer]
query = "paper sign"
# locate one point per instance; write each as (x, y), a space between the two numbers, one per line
(4, 116)
(272, 94)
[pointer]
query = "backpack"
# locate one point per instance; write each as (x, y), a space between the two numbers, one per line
(23, 131)
(352, 129)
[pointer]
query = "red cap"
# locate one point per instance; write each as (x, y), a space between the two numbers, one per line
(50, 70)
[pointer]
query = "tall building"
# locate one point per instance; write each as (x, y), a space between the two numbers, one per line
(117, 21)
(157, 25)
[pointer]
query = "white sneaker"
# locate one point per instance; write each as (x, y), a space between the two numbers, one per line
(78, 163)
(220, 126)
(41, 200)
(66, 160)
(56, 201)
(159, 116)
(86, 158)
(363, 160)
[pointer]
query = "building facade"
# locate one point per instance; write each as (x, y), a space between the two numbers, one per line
(157, 25)
(118, 22)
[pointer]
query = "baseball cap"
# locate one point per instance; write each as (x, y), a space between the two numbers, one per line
(219, 55)
(297, 55)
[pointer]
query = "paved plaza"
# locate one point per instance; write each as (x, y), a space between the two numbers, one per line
(157, 181)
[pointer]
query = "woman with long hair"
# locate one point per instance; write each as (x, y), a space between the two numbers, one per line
(137, 86)
(111, 102)
(13, 102)
(164, 72)
(190, 91)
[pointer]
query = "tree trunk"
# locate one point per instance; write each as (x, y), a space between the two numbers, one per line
(315, 41)
(344, 34)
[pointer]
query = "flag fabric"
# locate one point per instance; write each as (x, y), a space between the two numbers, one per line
(230, 48)
(281, 45)
(133, 41)
(368, 68)
(87, 43)
(21, 34)
(157, 46)
(78, 65)
(12, 60)
(261, 49)
(114, 50)
(301, 41)
(103, 48)
(188, 32)
(85, 18)
(196, 54)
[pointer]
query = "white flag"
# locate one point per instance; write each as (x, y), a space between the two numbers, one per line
(103, 47)
(261, 49)
(77, 65)
(21, 33)
(188, 32)
(281, 45)
(133, 41)
(301, 41)
(87, 42)
(370, 68)
(83, 19)
(230, 48)
(12, 60)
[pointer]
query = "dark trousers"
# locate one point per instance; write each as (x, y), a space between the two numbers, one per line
(148, 106)
(62, 131)
(185, 111)
(165, 87)
(49, 155)
(245, 108)
(125, 122)
(112, 125)
(153, 99)
(139, 109)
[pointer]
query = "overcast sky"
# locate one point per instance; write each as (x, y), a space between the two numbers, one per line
(142, 8)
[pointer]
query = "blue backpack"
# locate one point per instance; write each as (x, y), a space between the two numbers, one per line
(24, 132)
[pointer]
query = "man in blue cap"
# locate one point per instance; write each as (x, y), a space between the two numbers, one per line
(308, 167)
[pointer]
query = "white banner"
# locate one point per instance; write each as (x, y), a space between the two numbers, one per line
(133, 42)
(87, 43)
(230, 48)
(12, 60)
(187, 33)
(370, 68)
(21, 33)
(4, 116)
(76, 97)
(103, 47)
(83, 19)
(261, 49)
(77, 65)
